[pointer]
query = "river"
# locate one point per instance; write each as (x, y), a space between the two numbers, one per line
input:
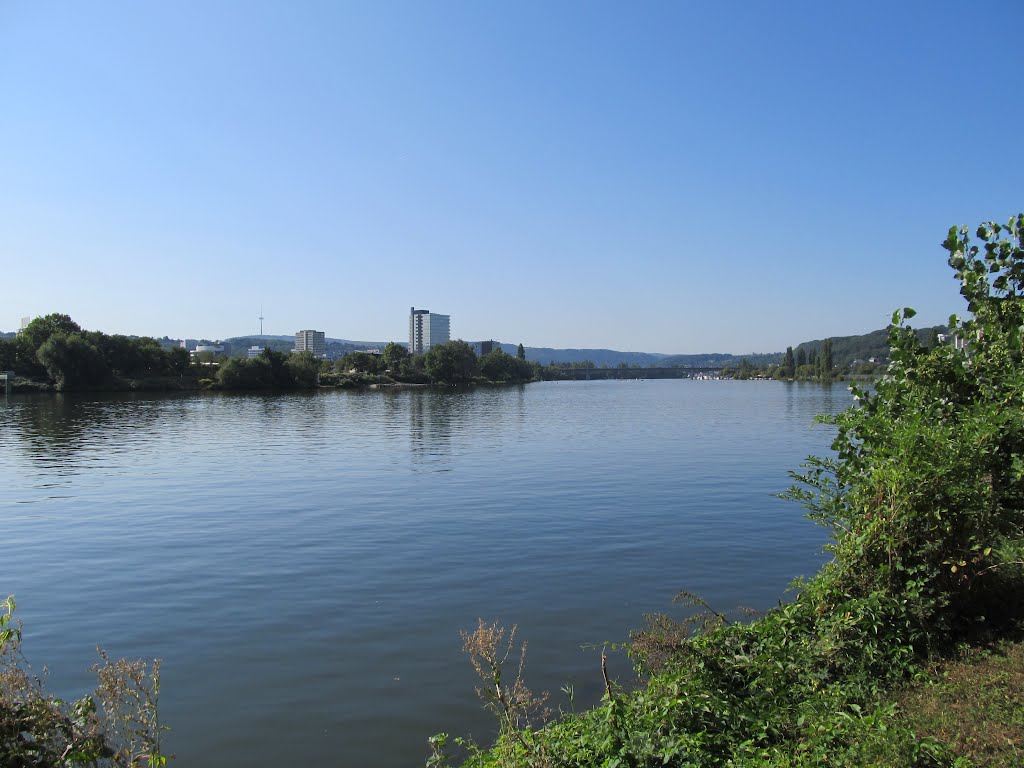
(303, 563)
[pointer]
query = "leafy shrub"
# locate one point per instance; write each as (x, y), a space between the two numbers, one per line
(117, 726)
(925, 503)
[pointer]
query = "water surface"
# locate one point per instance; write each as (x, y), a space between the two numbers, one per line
(303, 563)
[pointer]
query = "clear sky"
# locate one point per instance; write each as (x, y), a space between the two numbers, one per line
(674, 177)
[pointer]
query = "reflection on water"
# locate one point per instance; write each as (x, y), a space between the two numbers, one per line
(431, 414)
(304, 562)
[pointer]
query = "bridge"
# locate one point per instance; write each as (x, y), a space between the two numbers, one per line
(587, 374)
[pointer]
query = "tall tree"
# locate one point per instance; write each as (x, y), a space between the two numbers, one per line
(801, 356)
(521, 352)
(825, 361)
(789, 364)
(34, 335)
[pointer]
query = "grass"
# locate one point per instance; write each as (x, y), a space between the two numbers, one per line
(974, 705)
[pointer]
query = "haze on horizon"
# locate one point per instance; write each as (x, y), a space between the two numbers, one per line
(669, 177)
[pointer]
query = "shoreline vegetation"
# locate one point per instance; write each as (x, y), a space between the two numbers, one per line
(54, 354)
(903, 650)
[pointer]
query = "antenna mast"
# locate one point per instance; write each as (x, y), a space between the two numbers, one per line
(261, 319)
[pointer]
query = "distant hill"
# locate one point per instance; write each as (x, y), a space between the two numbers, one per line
(599, 357)
(847, 349)
(717, 359)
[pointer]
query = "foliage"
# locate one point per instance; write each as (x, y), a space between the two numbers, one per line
(72, 362)
(924, 499)
(270, 370)
(451, 363)
(304, 369)
(54, 347)
(8, 354)
(360, 362)
(861, 347)
(825, 364)
(499, 366)
(395, 357)
(118, 725)
(927, 482)
(33, 336)
(789, 364)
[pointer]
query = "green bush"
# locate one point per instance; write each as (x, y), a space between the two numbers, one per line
(118, 725)
(924, 500)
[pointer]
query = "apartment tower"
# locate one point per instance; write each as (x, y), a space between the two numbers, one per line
(427, 329)
(311, 341)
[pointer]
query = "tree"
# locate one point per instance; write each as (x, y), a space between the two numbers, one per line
(825, 361)
(521, 352)
(496, 366)
(451, 363)
(801, 357)
(40, 329)
(8, 354)
(500, 366)
(72, 362)
(304, 368)
(131, 357)
(359, 361)
(243, 373)
(789, 364)
(268, 370)
(178, 361)
(34, 335)
(395, 356)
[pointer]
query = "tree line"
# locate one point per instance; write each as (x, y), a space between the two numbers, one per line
(55, 350)
(454, 362)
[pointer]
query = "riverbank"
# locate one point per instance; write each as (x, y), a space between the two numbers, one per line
(370, 521)
(923, 500)
(198, 384)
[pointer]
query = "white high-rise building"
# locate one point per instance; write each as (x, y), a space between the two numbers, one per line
(311, 341)
(427, 329)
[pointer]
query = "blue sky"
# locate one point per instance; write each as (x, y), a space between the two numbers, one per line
(665, 177)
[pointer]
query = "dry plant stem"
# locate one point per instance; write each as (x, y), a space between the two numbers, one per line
(604, 674)
(512, 703)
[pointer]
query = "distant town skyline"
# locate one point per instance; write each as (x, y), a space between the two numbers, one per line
(671, 177)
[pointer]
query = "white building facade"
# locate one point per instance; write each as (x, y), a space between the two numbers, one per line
(426, 329)
(311, 341)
